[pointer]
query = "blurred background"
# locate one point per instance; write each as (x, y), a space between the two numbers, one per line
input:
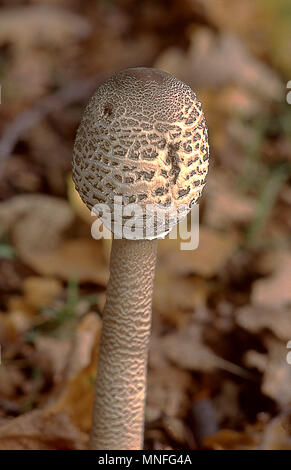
(219, 376)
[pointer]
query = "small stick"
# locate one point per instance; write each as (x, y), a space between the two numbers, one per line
(77, 90)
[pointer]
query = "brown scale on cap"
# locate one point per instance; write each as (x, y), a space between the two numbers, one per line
(143, 137)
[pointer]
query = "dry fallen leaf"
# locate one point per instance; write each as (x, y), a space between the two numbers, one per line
(168, 392)
(187, 350)
(227, 403)
(176, 429)
(277, 434)
(274, 435)
(277, 376)
(11, 381)
(214, 250)
(228, 439)
(52, 356)
(37, 223)
(275, 291)
(49, 25)
(214, 60)
(255, 319)
(232, 16)
(215, 300)
(41, 430)
(20, 319)
(173, 294)
(225, 204)
(40, 292)
(8, 328)
(274, 17)
(34, 34)
(76, 399)
(276, 370)
(85, 338)
(255, 359)
(80, 258)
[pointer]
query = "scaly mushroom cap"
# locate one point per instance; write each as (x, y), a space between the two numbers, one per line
(143, 137)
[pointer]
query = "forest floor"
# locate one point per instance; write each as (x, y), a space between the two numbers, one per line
(219, 373)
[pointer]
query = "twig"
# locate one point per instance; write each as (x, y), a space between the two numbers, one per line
(77, 90)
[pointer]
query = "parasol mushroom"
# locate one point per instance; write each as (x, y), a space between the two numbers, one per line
(142, 138)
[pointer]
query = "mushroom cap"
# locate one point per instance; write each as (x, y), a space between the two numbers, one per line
(143, 137)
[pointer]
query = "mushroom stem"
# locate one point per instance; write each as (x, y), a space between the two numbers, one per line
(118, 417)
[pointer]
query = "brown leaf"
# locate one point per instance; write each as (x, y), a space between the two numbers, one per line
(277, 371)
(52, 356)
(173, 295)
(35, 33)
(214, 250)
(228, 439)
(255, 319)
(85, 338)
(225, 204)
(187, 350)
(11, 381)
(227, 403)
(8, 329)
(26, 26)
(76, 399)
(168, 392)
(20, 318)
(215, 60)
(176, 429)
(37, 222)
(41, 430)
(80, 258)
(275, 291)
(232, 16)
(40, 292)
(277, 435)
(253, 358)
(277, 376)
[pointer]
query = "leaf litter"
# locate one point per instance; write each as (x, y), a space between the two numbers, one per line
(218, 371)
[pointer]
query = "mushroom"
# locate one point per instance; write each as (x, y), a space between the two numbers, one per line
(142, 138)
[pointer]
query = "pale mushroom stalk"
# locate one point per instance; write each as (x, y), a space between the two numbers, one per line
(143, 139)
(121, 380)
